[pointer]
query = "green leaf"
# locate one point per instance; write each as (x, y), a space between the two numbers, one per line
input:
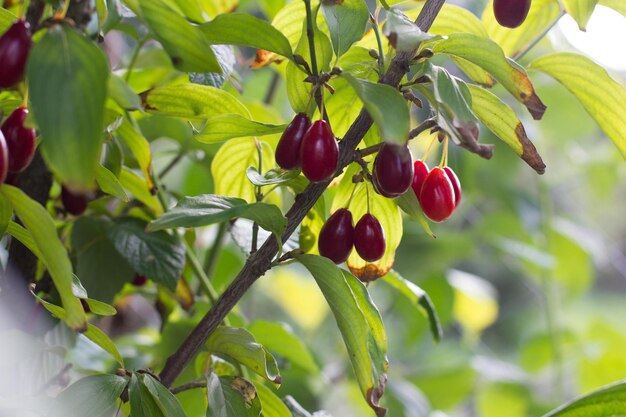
(410, 205)
(271, 177)
(192, 101)
(164, 398)
(232, 397)
(488, 55)
(122, 94)
(67, 79)
(159, 255)
(99, 308)
(246, 30)
(138, 187)
(95, 395)
(101, 339)
(6, 20)
(617, 5)
(541, 15)
(452, 93)
(271, 403)
(403, 33)
(228, 126)
(23, 236)
(346, 20)
(419, 298)
(504, 123)
(241, 345)
(52, 253)
(283, 342)
(103, 12)
(102, 270)
(580, 10)
(208, 209)
(185, 43)
(605, 402)
(231, 162)
(604, 98)
(386, 106)
(6, 213)
(139, 147)
(359, 322)
(142, 402)
(387, 213)
(108, 182)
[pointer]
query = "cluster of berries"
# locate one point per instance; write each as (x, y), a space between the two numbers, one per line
(17, 142)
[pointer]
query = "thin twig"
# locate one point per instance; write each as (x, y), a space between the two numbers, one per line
(379, 42)
(200, 383)
(425, 125)
(538, 39)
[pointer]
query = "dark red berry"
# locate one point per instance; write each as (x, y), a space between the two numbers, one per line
(15, 45)
(420, 171)
(21, 140)
(288, 149)
(74, 203)
(456, 185)
(139, 280)
(4, 158)
(393, 170)
(437, 195)
(511, 13)
(336, 238)
(85, 305)
(319, 154)
(369, 238)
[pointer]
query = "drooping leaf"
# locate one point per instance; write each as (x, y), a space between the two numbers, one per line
(165, 399)
(246, 30)
(240, 344)
(280, 340)
(488, 55)
(139, 147)
(192, 101)
(403, 33)
(108, 182)
(67, 79)
(52, 253)
(605, 402)
(541, 15)
(271, 404)
(418, 298)
(185, 43)
(271, 177)
(23, 236)
(158, 255)
(122, 94)
(139, 188)
(95, 395)
(142, 402)
(228, 126)
(504, 123)
(209, 209)
(227, 60)
(617, 5)
(580, 10)
(346, 20)
(603, 98)
(409, 204)
(386, 106)
(6, 212)
(232, 397)
(360, 325)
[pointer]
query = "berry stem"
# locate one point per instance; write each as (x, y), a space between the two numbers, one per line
(367, 192)
(444, 154)
(352, 194)
(432, 142)
(538, 39)
(379, 42)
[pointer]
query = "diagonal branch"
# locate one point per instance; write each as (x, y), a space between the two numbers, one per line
(259, 262)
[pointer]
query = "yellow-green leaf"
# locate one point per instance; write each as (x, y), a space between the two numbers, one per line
(504, 123)
(580, 10)
(602, 96)
(617, 5)
(228, 126)
(139, 147)
(108, 182)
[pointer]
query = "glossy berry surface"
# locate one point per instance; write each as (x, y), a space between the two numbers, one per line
(15, 46)
(456, 185)
(4, 159)
(20, 140)
(369, 238)
(437, 195)
(139, 280)
(511, 13)
(288, 149)
(319, 154)
(336, 238)
(420, 171)
(74, 203)
(393, 170)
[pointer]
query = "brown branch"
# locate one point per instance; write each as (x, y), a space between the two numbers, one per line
(201, 383)
(260, 261)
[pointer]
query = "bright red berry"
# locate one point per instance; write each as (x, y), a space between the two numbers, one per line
(336, 238)
(4, 159)
(74, 203)
(437, 195)
(393, 170)
(456, 185)
(511, 13)
(21, 140)
(420, 171)
(369, 238)
(15, 46)
(288, 149)
(319, 154)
